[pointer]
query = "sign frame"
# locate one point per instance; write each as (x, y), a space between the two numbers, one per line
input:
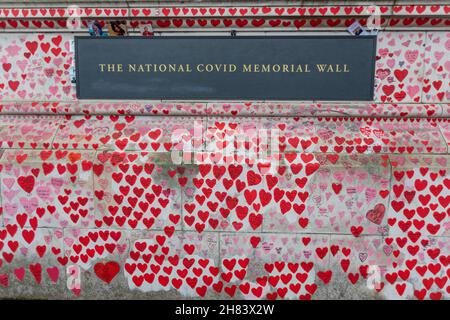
(369, 98)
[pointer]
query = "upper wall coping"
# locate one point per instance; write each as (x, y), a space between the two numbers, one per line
(142, 9)
(226, 2)
(241, 15)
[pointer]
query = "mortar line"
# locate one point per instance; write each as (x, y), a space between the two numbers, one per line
(443, 137)
(336, 114)
(56, 133)
(424, 65)
(2, 214)
(391, 177)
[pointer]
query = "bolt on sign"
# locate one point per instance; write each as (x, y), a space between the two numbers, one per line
(328, 68)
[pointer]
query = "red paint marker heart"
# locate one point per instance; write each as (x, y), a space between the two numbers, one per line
(107, 271)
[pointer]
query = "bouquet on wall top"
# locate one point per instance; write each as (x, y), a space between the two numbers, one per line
(146, 29)
(96, 29)
(117, 28)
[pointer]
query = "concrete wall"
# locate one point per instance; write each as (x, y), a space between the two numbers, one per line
(90, 192)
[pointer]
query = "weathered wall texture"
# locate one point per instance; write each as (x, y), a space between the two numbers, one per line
(92, 187)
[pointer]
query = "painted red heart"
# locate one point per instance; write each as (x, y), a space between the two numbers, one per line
(107, 271)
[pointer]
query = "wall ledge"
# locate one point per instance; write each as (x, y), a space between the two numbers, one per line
(331, 15)
(235, 109)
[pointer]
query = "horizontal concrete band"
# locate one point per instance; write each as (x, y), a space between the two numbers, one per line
(245, 108)
(221, 138)
(221, 10)
(42, 276)
(243, 16)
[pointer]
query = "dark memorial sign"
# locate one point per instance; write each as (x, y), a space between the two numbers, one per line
(226, 68)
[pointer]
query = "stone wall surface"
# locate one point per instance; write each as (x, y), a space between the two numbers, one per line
(163, 199)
